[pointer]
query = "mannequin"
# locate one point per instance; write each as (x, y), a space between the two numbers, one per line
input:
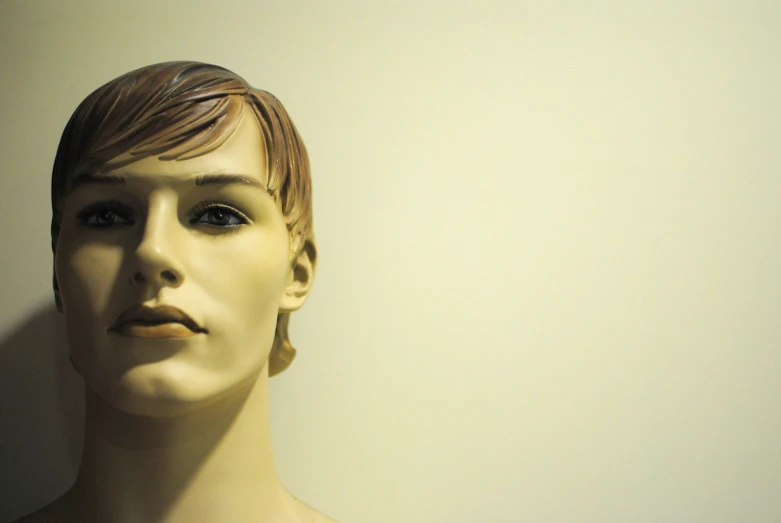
(182, 239)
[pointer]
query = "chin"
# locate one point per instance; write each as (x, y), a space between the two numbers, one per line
(167, 389)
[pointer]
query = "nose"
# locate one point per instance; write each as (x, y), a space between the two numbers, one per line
(156, 262)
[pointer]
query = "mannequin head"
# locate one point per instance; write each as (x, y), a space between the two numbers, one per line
(140, 214)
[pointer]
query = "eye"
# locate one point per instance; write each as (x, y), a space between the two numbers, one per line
(219, 215)
(106, 214)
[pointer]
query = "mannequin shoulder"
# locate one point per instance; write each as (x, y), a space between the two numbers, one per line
(322, 518)
(306, 514)
(41, 516)
(58, 512)
(317, 517)
(55, 512)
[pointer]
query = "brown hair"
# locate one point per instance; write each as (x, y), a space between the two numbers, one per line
(181, 110)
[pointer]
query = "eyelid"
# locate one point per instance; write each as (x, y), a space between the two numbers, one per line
(111, 206)
(211, 203)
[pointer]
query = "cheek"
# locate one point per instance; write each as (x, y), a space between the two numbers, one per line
(242, 293)
(86, 276)
(247, 272)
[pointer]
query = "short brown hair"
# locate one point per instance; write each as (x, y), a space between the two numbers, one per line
(181, 110)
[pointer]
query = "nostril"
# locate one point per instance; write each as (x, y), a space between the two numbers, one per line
(166, 277)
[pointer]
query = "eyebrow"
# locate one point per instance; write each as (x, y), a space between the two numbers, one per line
(207, 179)
(224, 179)
(85, 178)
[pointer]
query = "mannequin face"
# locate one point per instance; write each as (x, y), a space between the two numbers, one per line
(172, 274)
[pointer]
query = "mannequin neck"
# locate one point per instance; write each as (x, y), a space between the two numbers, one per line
(214, 464)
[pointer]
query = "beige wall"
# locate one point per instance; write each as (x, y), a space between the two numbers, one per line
(550, 237)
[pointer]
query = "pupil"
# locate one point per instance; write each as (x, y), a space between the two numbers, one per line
(106, 216)
(218, 214)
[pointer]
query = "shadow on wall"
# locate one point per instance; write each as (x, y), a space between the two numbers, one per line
(41, 416)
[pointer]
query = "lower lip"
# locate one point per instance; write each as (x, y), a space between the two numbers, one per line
(157, 330)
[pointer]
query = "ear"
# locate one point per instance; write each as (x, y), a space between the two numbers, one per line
(301, 277)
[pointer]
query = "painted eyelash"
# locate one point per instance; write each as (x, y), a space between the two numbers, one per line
(212, 203)
(112, 206)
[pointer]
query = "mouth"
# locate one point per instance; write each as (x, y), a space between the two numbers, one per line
(162, 321)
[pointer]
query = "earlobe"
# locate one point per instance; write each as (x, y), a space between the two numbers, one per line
(302, 275)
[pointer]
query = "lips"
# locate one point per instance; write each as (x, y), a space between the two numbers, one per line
(162, 321)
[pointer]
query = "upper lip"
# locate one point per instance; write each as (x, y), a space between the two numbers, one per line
(159, 313)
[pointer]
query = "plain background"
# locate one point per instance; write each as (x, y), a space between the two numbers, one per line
(550, 242)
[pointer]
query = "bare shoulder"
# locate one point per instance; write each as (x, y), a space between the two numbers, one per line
(307, 514)
(55, 512)
(40, 516)
(322, 518)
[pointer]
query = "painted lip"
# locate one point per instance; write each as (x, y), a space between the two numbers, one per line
(162, 321)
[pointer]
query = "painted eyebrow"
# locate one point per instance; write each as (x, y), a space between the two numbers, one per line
(208, 179)
(224, 179)
(85, 178)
